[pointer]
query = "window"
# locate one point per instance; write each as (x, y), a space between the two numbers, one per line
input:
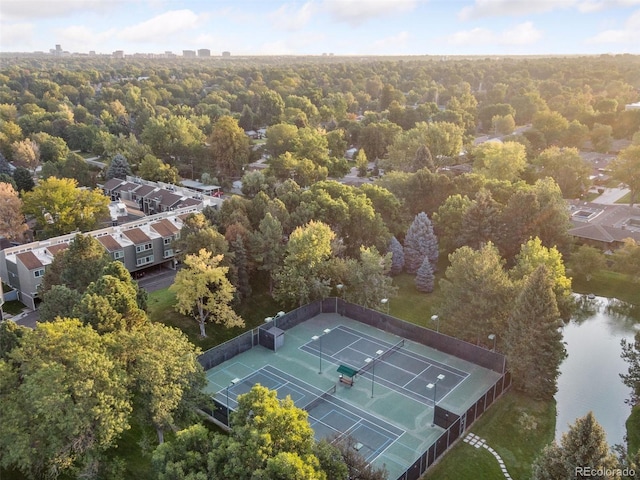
(168, 253)
(144, 260)
(143, 248)
(167, 241)
(38, 273)
(118, 254)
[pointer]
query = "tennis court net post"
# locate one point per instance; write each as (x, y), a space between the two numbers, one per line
(382, 356)
(320, 398)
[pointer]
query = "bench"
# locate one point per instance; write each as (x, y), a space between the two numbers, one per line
(346, 380)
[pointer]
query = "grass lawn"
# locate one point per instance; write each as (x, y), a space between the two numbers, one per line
(624, 199)
(606, 283)
(501, 428)
(14, 307)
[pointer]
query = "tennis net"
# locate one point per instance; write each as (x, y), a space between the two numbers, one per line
(382, 356)
(320, 398)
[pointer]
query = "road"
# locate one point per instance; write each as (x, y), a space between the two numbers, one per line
(150, 282)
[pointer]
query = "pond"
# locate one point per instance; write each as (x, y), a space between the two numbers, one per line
(590, 375)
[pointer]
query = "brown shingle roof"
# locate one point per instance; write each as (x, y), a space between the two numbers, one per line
(53, 249)
(110, 243)
(113, 183)
(144, 190)
(137, 236)
(165, 228)
(29, 260)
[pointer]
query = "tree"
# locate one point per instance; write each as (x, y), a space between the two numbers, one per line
(79, 265)
(58, 302)
(60, 207)
(155, 170)
(186, 456)
(361, 163)
(424, 277)
(64, 400)
(241, 264)
(626, 259)
(74, 166)
(26, 153)
(166, 377)
(52, 149)
(229, 148)
(534, 340)
(357, 466)
(626, 169)
(502, 161)
(448, 221)
(367, 280)
(24, 179)
(203, 290)
(118, 168)
(10, 337)
(503, 124)
(533, 254)
(423, 159)
(420, 243)
(267, 246)
(301, 277)
(583, 448)
(264, 427)
(586, 261)
(12, 224)
(552, 125)
(601, 137)
(480, 220)
(477, 294)
(397, 256)
(569, 170)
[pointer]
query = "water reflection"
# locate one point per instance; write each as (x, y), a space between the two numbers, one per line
(589, 378)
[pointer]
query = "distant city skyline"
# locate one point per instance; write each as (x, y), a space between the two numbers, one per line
(341, 27)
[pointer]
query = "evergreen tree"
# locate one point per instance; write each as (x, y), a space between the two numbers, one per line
(241, 262)
(24, 179)
(397, 257)
(583, 447)
(534, 342)
(420, 242)
(4, 165)
(423, 159)
(424, 277)
(57, 302)
(119, 168)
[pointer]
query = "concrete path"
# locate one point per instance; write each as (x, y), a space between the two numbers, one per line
(477, 442)
(611, 195)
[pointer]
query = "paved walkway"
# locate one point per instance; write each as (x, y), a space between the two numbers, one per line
(611, 195)
(477, 442)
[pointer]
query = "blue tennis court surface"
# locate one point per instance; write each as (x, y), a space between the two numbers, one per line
(329, 417)
(401, 370)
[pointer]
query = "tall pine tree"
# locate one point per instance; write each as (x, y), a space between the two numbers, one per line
(119, 168)
(397, 256)
(420, 242)
(534, 341)
(424, 277)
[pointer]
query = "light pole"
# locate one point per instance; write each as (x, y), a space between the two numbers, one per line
(373, 368)
(319, 338)
(493, 337)
(434, 387)
(436, 318)
(339, 288)
(385, 302)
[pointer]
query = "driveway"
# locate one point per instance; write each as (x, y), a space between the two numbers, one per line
(611, 195)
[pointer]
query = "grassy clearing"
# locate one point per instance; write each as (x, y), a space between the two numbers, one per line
(625, 199)
(606, 283)
(13, 307)
(500, 427)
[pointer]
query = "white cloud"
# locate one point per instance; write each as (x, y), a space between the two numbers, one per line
(16, 34)
(628, 34)
(162, 26)
(495, 8)
(290, 17)
(590, 6)
(522, 34)
(357, 12)
(30, 9)
(75, 38)
(393, 43)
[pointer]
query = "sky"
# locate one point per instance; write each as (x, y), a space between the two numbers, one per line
(314, 27)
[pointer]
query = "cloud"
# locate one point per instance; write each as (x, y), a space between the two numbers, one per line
(496, 8)
(74, 38)
(16, 34)
(161, 26)
(32, 9)
(522, 34)
(393, 43)
(357, 12)
(629, 34)
(291, 18)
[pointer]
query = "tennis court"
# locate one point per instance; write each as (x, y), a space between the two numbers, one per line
(329, 417)
(399, 369)
(388, 411)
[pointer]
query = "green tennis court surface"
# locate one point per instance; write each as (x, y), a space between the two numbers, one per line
(388, 409)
